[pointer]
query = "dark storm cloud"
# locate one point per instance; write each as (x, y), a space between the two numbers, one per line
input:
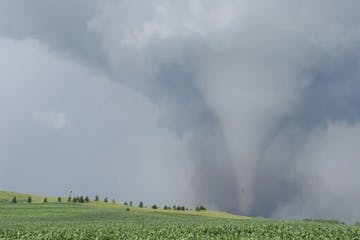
(62, 25)
(259, 91)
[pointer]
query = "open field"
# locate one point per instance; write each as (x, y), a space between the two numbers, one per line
(99, 220)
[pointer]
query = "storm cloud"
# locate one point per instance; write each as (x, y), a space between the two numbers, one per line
(254, 103)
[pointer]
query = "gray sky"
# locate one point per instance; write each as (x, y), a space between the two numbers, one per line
(246, 106)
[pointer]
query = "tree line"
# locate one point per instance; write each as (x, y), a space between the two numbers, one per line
(86, 199)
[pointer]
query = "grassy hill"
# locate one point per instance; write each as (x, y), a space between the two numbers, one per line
(99, 220)
(86, 209)
(6, 196)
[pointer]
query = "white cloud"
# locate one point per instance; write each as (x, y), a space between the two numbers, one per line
(51, 119)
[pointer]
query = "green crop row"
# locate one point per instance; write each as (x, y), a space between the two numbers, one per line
(244, 230)
(112, 221)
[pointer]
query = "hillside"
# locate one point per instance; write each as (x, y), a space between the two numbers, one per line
(6, 197)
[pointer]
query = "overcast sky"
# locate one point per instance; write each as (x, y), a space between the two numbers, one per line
(246, 106)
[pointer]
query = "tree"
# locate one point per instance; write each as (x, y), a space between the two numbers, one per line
(81, 199)
(113, 201)
(14, 200)
(69, 199)
(202, 208)
(141, 204)
(131, 203)
(45, 200)
(87, 199)
(59, 199)
(106, 199)
(29, 200)
(165, 207)
(154, 206)
(174, 207)
(96, 198)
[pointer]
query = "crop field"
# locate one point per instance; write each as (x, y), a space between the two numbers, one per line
(98, 220)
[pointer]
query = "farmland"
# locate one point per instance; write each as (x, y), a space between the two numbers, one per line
(99, 220)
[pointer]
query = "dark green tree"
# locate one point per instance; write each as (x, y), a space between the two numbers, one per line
(141, 204)
(59, 199)
(154, 206)
(87, 199)
(45, 200)
(96, 198)
(29, 200)
(131, 203)
(14, 200)
(202, 208)
(106, 199)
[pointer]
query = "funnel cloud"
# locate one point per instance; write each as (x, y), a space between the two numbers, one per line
(246, 106)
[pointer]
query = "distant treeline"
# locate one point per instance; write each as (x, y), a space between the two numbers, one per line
(327, 221)
(86, 199)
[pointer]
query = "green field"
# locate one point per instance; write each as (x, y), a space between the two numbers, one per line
(99, 220)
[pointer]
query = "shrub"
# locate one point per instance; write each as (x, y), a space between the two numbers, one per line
(59, 199)
(14, 200)
(45, 200)
(69, 199)
(127, 209)
(154, 206)
(29, 200)
(106, 199)
(202, 208)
